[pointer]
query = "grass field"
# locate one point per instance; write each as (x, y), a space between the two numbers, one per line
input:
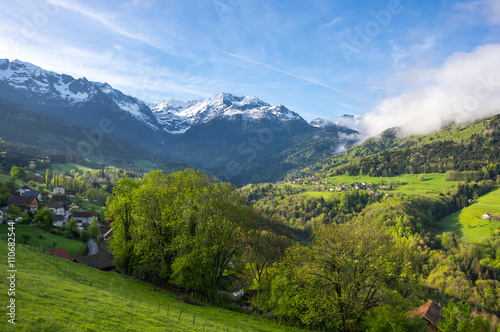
(74, 247)
(6, 178)
(68, 167)
(53, 294)
(467, 223)
(433, 185)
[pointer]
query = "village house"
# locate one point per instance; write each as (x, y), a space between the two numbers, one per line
(103, 260)
(71, 193)
(22, 190)
(59, 191)
(26, 203)
(59, 220)
(57, 208)
(431, 312)
(486, 216)
(36, 194)
(84, 217)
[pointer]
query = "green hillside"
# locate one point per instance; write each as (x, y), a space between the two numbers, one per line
(460, 148)
(53, 294)
(27, 135)
(467, 223)
(74, 247)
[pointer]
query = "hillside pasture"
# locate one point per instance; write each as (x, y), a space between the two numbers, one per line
(467, 223)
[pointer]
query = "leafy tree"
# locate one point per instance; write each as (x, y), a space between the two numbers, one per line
(45, 217)
(182, 227)
(94, 229)
(346, 272)
(85, 236)
(17, 172)
(456, 317)
(47, 179)
(71, 225)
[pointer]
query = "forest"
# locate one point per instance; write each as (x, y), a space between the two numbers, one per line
(341, 263)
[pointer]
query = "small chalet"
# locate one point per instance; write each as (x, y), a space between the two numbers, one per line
(26, 203)
(24, 189)
(71, 193)
(59, 191)
(1, 216)
(60, 252)
(59, 220)
(103, 260)
(486, 216)
(84, 216)
(56, 208)
(431, 312)
(36, 194)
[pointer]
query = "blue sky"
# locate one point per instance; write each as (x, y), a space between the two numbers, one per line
(320, 58)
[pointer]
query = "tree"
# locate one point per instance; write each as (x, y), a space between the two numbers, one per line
(85, 236)
(456, 317)
(17, 172)
(181, 227)
(47, 179)
(347, 271)
(45, 217)
(94, 229)
(71, 225)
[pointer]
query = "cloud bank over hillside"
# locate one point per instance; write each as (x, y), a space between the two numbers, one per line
(465, 88)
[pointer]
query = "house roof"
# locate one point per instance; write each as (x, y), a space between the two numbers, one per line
(55, 205)
(104, 228)
(61, 252)
(85, 214)
(22, 200)
(71, 192)
(31, 193)
(103, 260)
(430, 311)
(58, 217)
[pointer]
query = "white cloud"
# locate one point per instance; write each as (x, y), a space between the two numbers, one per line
(488, 9)
(465, 88)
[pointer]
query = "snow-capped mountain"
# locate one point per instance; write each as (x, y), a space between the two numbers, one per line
(237, 138)
(346, 120)
(177, 117)
(52, 89)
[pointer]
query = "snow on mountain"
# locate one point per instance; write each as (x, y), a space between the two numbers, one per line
(346, 120)
(35, 80)
(63, 90)
(172, 116)
(178, 117)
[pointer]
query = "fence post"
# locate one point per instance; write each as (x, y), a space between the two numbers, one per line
(194, 317)
(158, 306)
(204, 323)
(180, 314)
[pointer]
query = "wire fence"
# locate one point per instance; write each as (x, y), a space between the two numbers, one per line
(171, 313)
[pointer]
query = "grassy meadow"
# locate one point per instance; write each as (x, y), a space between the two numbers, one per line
(54, 294)
(433, 184)
(467, 223)
(75, 248)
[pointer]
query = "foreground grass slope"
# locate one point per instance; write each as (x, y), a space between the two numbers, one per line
(53, 294)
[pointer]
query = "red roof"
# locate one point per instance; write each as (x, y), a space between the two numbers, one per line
(430, 311)
(61, 252)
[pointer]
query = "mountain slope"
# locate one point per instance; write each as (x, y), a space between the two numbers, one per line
(27, 135)
(473, 147)
(240, 139)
